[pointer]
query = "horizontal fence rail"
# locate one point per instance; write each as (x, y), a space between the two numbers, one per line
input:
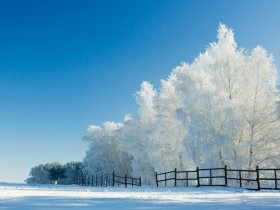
(95, 180)
(274, 177)
(108, 180)
(244, 178)
(258, 179)
(126, 180)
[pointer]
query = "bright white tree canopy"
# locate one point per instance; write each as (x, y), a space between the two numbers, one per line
(220, 109)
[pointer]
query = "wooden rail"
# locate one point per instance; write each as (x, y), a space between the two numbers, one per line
(126, 180)
(257, 179)
(108, 180)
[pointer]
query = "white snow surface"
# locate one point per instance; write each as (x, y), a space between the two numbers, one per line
(23, 197)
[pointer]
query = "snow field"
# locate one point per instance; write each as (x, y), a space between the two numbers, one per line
(23, 197)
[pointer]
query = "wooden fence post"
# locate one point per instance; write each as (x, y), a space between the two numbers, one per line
(197, 176)
(240, 178)
(113, 179)
(258, 178)
(210, 177)
(187, 178)
(156, 179)
(140, 184)
(175, 180)
(226, 175)
(96, 180)
(106, 182)
(275, 177)
(92, 180)
(125, 181)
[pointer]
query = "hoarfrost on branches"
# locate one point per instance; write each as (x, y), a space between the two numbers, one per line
(221, 109)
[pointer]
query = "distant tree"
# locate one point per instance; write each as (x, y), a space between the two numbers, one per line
(106, 156)
(56, 172)
(38, 175)
(73, 170)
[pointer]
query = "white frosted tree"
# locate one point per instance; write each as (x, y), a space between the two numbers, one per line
(220, 109)
(135, 138)
(146, 99)
(227, 92)
(169, 132)
(259, 110)
(106, 153)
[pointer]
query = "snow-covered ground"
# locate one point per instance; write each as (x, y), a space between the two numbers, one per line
(23, 197)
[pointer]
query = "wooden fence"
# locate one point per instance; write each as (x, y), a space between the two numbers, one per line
(108, 180)
(126, 180)
(95, 180)
(257, 179)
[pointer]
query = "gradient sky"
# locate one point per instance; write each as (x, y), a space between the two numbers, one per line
(67, 64)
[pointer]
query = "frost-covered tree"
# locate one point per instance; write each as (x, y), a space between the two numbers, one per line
(228, 91)
(55, 173)
(106, 153)
(73, 170)
(38, 175)
(220, 109)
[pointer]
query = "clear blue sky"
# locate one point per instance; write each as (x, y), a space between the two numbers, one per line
(67, 64)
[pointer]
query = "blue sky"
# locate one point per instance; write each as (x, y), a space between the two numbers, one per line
(67, 64)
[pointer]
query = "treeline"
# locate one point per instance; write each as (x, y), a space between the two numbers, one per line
(55, 173)
(221, 109)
